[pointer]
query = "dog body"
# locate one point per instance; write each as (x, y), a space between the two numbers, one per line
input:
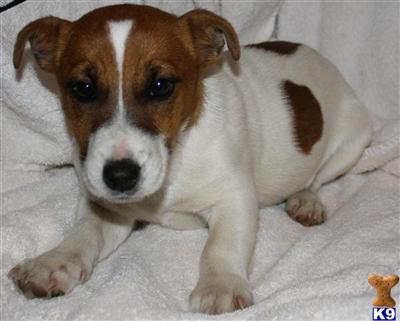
(228, 138)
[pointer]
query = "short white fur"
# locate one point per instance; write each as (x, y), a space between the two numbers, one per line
(119, 32)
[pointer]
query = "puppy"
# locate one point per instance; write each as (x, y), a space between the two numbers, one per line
(171, 130)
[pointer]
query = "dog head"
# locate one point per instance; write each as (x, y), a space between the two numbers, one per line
(130, 83)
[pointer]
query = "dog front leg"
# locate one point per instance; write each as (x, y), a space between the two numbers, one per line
(59, 270)
(223, 285)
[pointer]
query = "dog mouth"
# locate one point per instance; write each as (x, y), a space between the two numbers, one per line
(123, 197)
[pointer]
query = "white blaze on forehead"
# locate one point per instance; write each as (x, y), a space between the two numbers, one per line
(119, 32)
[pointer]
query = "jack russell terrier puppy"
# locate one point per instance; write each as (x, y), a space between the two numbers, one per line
(171, 130)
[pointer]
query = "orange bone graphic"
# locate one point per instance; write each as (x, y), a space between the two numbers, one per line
(383, 285)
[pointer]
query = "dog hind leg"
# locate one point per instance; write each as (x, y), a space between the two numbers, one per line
(305, 206)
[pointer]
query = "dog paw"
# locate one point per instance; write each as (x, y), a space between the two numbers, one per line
(306, 208)
(49, 275)
(220, 294)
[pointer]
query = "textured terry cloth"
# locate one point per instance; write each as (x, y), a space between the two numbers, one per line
(298, 273)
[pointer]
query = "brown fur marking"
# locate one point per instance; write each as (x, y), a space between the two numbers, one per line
(279, 47)
(208, 31)
(307, 116)
(89, 58)
(47, 37)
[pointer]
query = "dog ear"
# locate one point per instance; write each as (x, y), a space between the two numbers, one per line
(45, 37)
(208, 31)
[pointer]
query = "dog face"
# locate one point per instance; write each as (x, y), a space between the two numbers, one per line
(129, 79)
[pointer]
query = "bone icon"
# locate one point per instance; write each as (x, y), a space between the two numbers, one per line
(383, 285)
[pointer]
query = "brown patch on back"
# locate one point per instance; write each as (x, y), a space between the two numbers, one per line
(307, 116)
(279, 47)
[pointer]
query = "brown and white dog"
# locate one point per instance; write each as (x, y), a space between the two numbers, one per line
(171, 130)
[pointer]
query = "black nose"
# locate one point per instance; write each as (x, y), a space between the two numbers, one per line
(121, 175)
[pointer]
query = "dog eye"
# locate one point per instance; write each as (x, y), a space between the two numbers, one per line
(161, 89)
(84, 91)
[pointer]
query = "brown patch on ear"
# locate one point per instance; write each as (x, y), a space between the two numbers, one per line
(208, 31)
(46, 42)
(279, 47)
(308, 121)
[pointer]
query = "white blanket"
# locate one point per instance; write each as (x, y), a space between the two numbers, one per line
(298, 273)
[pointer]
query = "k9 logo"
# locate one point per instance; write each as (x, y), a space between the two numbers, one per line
(379, 313)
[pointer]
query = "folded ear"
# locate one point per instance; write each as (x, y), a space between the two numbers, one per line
(208, 31)
(45, 36)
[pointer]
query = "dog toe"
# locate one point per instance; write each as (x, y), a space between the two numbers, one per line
(306, 208)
